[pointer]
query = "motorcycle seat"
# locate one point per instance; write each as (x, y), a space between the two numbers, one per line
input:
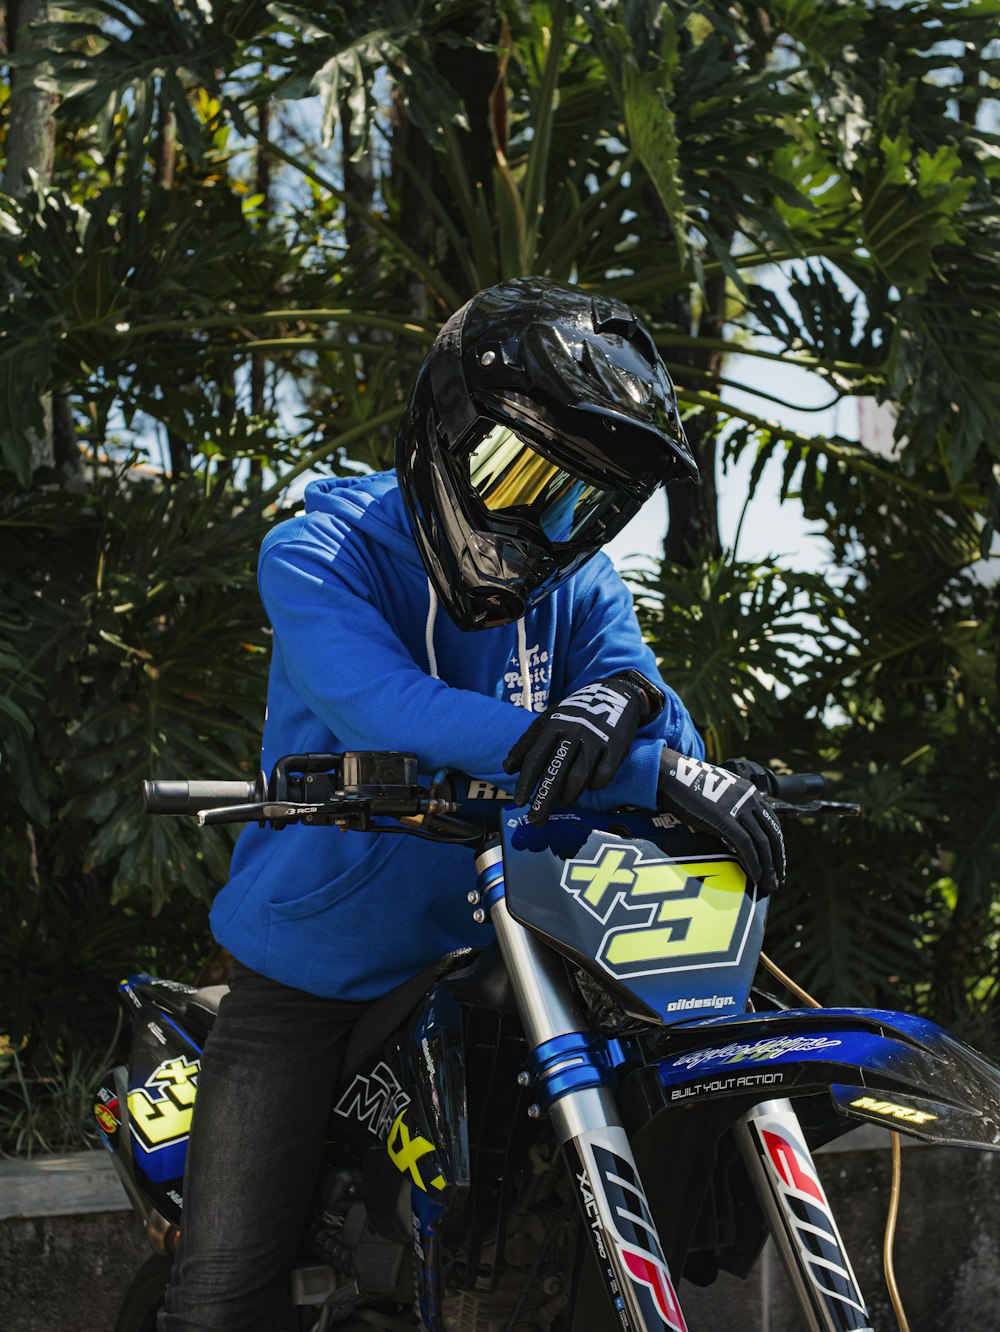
(386, 1015)
(206, 1001)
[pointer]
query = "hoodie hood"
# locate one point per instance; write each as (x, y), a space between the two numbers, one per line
(374, 502)
(371, 502)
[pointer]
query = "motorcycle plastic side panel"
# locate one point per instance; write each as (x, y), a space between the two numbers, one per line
(664, 917)
(162, 1083)
(437, 1045)
(415, 1107)
(891, 1068)
(436, 1049)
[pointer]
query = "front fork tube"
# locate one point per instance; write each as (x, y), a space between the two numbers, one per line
(572, 1080)
(799, 1218)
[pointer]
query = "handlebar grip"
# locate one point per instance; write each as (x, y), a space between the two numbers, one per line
(177, 797)
(798, 787)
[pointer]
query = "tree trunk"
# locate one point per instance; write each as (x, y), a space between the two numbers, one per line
(258, 361)
(693, 526)
(66, 442)
(956, 957)
(30, 127)
(359, 183)
(472, 72)
(261, 186)
(164, 170)
(693, 523)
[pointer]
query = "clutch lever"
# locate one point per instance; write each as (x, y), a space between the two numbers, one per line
(281, 812)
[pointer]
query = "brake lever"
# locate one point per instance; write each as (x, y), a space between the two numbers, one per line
(841, 809)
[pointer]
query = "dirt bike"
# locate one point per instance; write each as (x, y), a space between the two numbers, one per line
(547, 1133)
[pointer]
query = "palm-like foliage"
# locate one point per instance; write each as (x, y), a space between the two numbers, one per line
(134, 645)
(751, 164)
(148, 656)
(889, 685)
(242, 291)
(667, 153)
(733, 640)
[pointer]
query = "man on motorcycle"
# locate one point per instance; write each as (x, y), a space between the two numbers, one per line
(539, 423)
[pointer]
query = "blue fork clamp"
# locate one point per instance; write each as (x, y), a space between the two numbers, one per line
(490, 886)
(574, 1061)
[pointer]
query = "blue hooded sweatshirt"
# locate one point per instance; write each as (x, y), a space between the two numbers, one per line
(362, 660)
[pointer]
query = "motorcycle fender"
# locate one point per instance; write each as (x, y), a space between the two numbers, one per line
(894, 1069)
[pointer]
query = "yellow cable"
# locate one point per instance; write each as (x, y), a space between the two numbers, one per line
(890, 1234)
(897, 1168)
(789, 984)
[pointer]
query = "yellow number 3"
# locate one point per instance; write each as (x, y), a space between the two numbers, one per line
(693, 910)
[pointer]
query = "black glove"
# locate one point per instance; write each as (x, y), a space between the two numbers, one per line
(730, 806)
(576, 745)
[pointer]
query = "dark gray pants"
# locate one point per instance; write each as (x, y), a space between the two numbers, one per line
(268, 1074)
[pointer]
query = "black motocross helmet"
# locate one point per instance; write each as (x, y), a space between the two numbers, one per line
(541, 421)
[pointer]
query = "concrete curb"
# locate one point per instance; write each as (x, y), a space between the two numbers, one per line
(76, 1185)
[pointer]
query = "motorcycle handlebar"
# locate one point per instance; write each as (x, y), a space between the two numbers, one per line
(794, 788)
(178, 797)
(351, 788)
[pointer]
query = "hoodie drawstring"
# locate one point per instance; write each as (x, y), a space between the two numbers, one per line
(526, 700)
(432, 664)
(522, 655)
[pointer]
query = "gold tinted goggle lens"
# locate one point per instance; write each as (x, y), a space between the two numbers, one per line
(508, 473)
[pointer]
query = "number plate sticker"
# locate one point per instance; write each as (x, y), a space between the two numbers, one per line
(676, 913)
(668, 917)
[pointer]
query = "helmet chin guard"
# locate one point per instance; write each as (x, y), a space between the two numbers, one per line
(540, 422)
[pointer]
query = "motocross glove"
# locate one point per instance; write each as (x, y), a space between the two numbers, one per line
(580, 743)
(729, 806)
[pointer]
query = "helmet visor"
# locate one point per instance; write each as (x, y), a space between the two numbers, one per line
(516, 482)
